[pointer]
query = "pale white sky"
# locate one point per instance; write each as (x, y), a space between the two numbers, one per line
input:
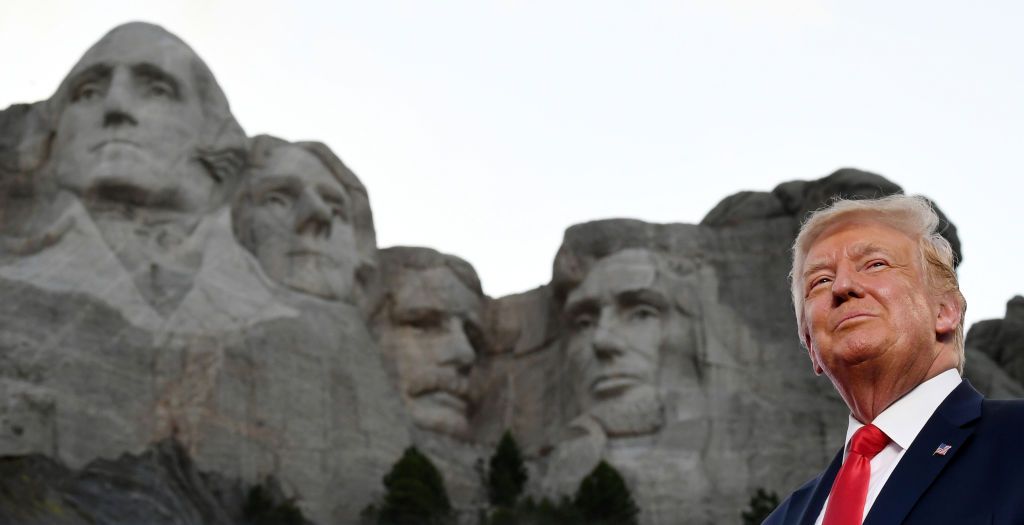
(485, 128)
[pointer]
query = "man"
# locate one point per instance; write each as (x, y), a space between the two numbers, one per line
(880, 312)
(627, 312)
(144, 137)
(141, 126)
(142, 147)
(306, 218)
(429, 329)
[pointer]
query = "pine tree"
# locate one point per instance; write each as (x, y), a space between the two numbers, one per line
(603, 498)
(265, 506)
(415, 493)
(507, 475)
(762, 503)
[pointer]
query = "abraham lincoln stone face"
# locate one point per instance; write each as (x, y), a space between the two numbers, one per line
(622, 319)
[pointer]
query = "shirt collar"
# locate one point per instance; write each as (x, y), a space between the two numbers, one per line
(905, 418)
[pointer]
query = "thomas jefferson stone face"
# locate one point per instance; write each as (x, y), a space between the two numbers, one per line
(298, 219)
(621, 319)
(129, 129)
(432, 335)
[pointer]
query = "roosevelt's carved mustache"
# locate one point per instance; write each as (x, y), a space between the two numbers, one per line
(437, 379)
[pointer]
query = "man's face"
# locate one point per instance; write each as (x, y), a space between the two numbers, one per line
(868, 304)
(433, 336)
(129, 130)
(299, 219)
(620, 320)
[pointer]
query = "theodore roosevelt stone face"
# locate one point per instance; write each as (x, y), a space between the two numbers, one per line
(432, 335)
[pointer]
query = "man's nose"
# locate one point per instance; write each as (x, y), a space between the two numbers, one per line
(458, 351)
(313, 215)
(607, 342)
(118, 104)
(846, 286)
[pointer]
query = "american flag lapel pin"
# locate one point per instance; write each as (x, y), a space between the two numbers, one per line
(941, 451)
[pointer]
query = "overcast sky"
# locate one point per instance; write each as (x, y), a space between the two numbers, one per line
(485, 128)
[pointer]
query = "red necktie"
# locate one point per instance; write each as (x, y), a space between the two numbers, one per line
(850, 490)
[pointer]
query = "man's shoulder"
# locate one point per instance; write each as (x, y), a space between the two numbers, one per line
(790, 510)
(1002, 412)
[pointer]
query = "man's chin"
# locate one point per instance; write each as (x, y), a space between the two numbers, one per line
(637, 411)
(308, 276)
(439, 415)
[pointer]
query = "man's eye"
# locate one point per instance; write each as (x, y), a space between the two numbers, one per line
(818, 281)
(86, 91)
(582, 321)
(423, 323)
(277, 199)
(160, 89)
(877, 264)
(643, 313)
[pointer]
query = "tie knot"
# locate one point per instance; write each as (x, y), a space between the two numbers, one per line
(868, 441)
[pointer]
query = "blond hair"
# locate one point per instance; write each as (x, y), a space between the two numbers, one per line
(912, 215)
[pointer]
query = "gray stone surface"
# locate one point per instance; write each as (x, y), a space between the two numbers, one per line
(167, 277)
(1002, 342)
(138, 316)
(161, 486)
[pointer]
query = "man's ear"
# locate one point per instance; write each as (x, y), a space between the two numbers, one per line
(806, 339)
(948, 318)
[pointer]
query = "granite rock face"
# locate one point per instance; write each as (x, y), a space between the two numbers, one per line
(161, 486)
(141, 308)
(169, 280)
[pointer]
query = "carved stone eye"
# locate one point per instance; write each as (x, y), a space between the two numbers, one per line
(160, 89)
(583, 321)
(277, 199)
(643, 312)
(86, 91)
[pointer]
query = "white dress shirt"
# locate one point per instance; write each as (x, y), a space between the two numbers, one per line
(902, 422)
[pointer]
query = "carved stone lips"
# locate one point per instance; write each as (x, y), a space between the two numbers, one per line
(613, 382)
(449, 399)
(113, 142)
(305, 252)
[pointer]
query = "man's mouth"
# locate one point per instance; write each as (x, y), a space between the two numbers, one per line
(852, 317)
(114, 142)
(613, 383)
(448, 399)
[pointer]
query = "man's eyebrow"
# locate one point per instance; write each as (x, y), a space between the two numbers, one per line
(642, 296)
(817, 266)
(861, 249)
(149, 70)
(265, 182)
(582, 304)
(89, 73)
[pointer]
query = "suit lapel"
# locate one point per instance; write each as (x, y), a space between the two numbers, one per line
(951, 424)
(821, 490)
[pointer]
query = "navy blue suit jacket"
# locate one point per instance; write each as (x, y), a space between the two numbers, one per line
(979, 480)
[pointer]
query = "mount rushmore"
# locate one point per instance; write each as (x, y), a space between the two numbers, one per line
(167, 277)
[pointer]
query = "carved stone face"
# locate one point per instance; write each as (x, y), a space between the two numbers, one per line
(620, 320)
(432, 334)
(130, 125)
(297, 220)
